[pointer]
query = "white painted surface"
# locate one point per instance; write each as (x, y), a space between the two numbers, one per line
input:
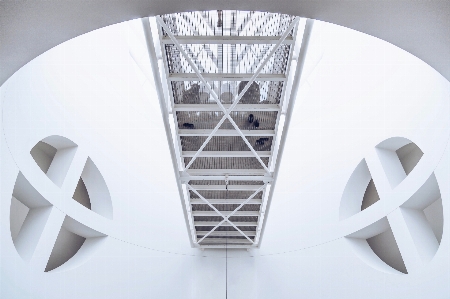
(354, 99)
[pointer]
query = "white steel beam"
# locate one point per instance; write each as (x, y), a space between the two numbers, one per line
(214, 107)
(292, 60)
(185, 177)
(224, 172)
(198, 201)
(224, 132)
(224, 154)
(229, 187)
(214, 223)
(226, 233)
(225, 246)
(233, 40)
(225, 77)
(225, 240)
(226, 213)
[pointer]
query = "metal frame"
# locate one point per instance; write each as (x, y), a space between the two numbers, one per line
(225, 154)
(216, 98)
(226, 218)
(184, 174)
(229, 40)
(239, 107)
(226, 76)
(224, 132)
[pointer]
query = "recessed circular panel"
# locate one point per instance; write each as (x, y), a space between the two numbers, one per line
(45, 236)
(402, 240)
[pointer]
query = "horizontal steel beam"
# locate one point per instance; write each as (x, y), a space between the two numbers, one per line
(230, 187)
(224, 172)
(235, 201)
(228, 246)
(186, 177)
(225, 241)
(215, 107)
(225, 77)
(218, 40)
(225, 213)
(237, 154)
(223, 132)
(226, 233)
(214, 223)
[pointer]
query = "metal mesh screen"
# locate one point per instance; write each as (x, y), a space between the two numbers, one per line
(208, 194)
(225, 228)
(227, 23)
(236, 59)
(225, 207)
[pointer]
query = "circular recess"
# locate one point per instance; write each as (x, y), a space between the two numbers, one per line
(45, 236)
(402, 240)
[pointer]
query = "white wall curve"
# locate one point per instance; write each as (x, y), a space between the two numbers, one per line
(420, 28)
(116, 121)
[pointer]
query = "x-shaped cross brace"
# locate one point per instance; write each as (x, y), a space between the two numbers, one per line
(237, 99)
(226, 218)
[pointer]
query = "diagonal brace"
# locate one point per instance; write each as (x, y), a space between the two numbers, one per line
(236, 101)
(226, 218)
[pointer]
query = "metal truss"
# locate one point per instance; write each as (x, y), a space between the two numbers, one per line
(226, 218)
(216, 98)
(225, 181)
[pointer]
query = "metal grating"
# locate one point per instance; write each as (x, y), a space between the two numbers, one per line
(225, 143)
(227, 23)
(226, 73)
(261, 120)
(225, 194)
(240, 59)
(194, 92)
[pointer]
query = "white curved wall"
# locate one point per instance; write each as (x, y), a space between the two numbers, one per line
(362, 92)
(27, 29)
